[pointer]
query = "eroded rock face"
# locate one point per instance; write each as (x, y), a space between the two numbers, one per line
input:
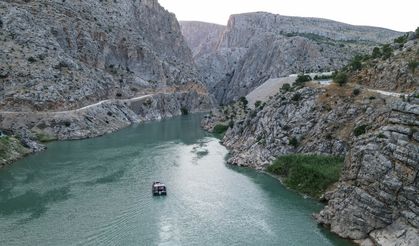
(319, 121)
(67, 54)
(257, 46)
(377, 196)
(397, 74)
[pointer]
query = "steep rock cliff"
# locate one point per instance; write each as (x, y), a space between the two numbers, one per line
(67, 54)
(257, 46)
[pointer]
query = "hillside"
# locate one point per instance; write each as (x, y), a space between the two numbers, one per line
(375, 201)
(61, 59)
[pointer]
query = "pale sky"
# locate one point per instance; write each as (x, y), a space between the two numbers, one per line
(401, 15)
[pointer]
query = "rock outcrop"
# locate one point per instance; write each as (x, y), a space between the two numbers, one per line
(398, 73)
(320, 119)
(255, 47)
(377, 196)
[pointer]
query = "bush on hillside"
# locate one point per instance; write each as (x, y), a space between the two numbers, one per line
(340, 78)
(387, 51)
(360, 130)
(356, 63)
(220, 129)
(293, 142)
(356, 92)
(302, 78)
(286, 87)
(376, 53)
(244, 101)
(413, 65)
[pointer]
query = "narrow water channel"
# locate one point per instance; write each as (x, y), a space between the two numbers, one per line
(98, 192)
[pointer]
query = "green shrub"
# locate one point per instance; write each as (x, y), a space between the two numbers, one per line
(286, 87)
(356, 63)
(293, 142)
(376, 53)
(296, 97)
(387, 51)
(244, 101)
(257, 104)
(417, 32)
(31, 59)
(302, 78)
(359, 130)
(413, 65)
(401, 39)
(340, 78)
(356, 92)
(309, 174)
(220, 129)
(184, 111)
(322, 77)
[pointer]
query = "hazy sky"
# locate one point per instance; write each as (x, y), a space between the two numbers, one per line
(401, 15)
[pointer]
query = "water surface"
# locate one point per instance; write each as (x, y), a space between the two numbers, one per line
(98, 192)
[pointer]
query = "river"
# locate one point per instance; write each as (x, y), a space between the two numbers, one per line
(98, 192)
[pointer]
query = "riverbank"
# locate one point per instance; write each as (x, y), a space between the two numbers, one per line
(33, 129)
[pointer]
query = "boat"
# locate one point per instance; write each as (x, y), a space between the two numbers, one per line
(158, 189)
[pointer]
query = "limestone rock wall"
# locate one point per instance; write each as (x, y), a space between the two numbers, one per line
(67, 54)
(377, 196)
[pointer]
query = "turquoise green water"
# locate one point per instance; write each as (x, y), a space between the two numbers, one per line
(98, 192)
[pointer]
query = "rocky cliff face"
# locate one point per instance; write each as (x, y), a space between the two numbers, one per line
(321, 119)
(67, 54)
(257, 46)
(398, 73)
(201, 37)
(377, 196)
(76, 69)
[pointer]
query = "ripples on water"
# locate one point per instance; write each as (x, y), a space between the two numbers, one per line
(98, 192)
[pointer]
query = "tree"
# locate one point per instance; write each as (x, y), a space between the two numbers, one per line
(417, 32)
(387, 51)
(356, 63)
(340, 78)
(244, 101)
(376, 52)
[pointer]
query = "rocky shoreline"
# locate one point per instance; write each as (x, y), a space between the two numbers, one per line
(33, 128)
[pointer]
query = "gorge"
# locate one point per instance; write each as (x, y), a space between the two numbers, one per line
(72, 70)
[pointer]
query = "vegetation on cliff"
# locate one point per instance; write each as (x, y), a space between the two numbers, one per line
(11, 149)
(309, 174)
